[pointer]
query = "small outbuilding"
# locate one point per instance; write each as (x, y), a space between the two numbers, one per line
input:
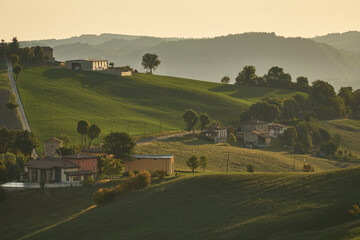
(151, 163)
(50, 147)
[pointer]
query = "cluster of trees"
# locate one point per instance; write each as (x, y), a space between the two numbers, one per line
(194, 162)
(308, 137)
(192, 119)
(12, 105)
(17, 141)
(12, 50)
(87, 131)
(11, 166)
(322, 100)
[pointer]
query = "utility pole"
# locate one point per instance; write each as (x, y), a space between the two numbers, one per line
(227, 164)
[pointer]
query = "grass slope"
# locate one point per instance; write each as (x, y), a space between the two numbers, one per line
(349, 130)
(263, 161)
(56, 99)
(221, 206)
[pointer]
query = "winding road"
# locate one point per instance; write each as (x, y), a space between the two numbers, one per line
(23, 119)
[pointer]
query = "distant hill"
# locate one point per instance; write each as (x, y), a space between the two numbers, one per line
(349, 40)
(211, 58)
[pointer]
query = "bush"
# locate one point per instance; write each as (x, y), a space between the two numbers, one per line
(161, 174)
(2, 194)
(142, 179)
(89, 180)
(250, 168)
(104, 195)
(308, 168)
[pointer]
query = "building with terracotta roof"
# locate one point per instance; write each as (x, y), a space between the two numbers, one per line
(254, 133)
(86, 162)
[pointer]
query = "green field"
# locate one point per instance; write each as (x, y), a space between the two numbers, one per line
(239, 157)
(349, 130)
(206, 206)
(56, 99)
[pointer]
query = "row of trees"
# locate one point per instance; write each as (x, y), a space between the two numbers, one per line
(25, 55)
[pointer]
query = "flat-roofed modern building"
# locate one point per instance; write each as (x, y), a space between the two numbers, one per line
(87, 64)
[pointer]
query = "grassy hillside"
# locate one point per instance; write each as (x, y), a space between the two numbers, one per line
(56, 99)
(220, 206)
(5, 118)
(239, 158)
(349, 130)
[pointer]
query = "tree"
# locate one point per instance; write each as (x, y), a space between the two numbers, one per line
(290, 136)
(65, 138)
(191, 118)
(193, 163)
(27, 55)
(277, 78)
(14, 59)
(7, 139)
(64, 151)
(14, 46)
(38, 54)
(225, 79)
(3, 46)
(247, 77)
(204, 161)
(93, 132)
(150, 62)
(12, 105)
(17, 70)
(25, 142)
(204, 120)
(308, 168)
(82, 128)
(231, 139)
(120, 144)
(302, 84)
(111, 166)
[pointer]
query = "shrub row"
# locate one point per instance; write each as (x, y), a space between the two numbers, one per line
(138, 181)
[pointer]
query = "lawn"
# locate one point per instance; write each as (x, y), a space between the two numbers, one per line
(263, 161)
(56, 99)
(221, 206)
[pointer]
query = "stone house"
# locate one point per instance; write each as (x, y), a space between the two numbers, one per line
(151, 163)
(50, 147)
(254, 133)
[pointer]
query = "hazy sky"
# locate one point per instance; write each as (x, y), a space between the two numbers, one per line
(40, 19)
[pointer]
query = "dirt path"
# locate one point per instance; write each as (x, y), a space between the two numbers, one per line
(151, 140)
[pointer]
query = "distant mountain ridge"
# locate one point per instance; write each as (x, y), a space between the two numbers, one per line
(349, 40)
(211, 58)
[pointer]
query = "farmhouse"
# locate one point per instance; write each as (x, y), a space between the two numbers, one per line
(276, 130)
(50, 147)
(50, 169)
(48, 53)
(151, 163)
(254, 133)
(87, 65)
(217, 133)
(257, 139)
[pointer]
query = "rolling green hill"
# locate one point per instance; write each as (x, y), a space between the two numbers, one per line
(56, 99)
(221, 206)
(347, 40)
(349, 130)
(263, 160)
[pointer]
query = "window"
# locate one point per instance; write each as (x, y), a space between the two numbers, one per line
(155, 159)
